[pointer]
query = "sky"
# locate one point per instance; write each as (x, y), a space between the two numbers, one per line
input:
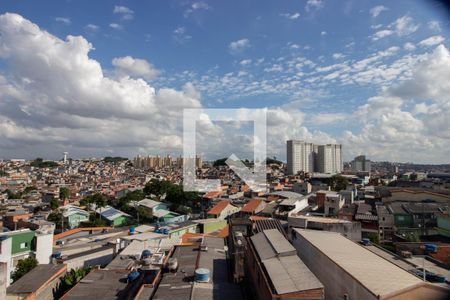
(102, 78)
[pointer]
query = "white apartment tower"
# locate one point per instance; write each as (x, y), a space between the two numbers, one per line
(300, 157)
(361, 164)
(329, 159)
(308, 157)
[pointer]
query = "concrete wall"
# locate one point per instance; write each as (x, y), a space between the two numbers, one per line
(213, 226)
(3, 278)
(97, 258)
(336, 281)
(350, 230)
(44, 248)
(423, 291)
(257, 280)
(46, 292)
(416, 197)
(5, 257)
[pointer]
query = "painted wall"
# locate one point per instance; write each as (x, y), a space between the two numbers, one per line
(22, 242)
(102, 257)
(3, 278)
(443, 226)
(5, 257)
(120, 221)
(75, 220)
(336, 281)
(214, 226)
(44, 248)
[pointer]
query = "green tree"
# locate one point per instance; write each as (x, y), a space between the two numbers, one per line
(54, 204)
(29, 189)
(413, 177)
(413, 237)
(57, 218)
(64, 193)
(23, 267)
(157, 187)
(12, 195)
(99, 200)
(70, 280)
(338, 183)
(374, 238)
(123, 203)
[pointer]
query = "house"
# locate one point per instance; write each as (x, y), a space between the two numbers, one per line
(152, 206)
(21, 244)
(176, 230)
(113, 216)
(167, 216)
(276, 272)
(73, 216)
(210, 225)
(350, 271)
(222, 210)
(37, 284)
(333, 203)
(289, 201)
(12, 218)
(253, 207)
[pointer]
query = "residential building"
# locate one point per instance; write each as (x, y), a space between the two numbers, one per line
(303, 188)
(361, 164)
(222, 210)
(349, 229)
(20, 244)
(153, 206)
(276, 272)
(73, 216)
(253, 207)
(443, 225)
(349, 271)
(308, 157)
(300, 157)
(333, 203)
(38, 284)
(329, 159)
(113, 216)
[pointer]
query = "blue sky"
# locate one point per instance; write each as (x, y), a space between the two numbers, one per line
(320, 62)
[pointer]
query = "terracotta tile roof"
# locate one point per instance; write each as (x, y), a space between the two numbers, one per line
(219, 207)
(213, 194)
(251, 205)
(257, 218)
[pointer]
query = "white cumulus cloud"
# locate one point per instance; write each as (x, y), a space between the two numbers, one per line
(375, 11)
(239, 45)
(135, 67)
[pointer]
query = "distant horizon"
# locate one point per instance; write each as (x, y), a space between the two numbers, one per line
(210, 160)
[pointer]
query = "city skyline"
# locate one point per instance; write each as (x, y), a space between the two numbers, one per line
(112, 78)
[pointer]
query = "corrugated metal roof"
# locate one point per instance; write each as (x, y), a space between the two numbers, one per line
(279, 243)
(270, 243)
(289, 274)
(261, 225)
(262, 246)
(378, 275)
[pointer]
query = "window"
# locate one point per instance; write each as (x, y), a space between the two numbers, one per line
(23, 245)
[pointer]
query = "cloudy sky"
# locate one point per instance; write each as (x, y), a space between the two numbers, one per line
(98, 78)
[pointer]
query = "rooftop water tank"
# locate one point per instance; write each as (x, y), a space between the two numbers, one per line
(202, 275)
(165, 231)
(133, 276)
(132, 230)
(146, 254)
